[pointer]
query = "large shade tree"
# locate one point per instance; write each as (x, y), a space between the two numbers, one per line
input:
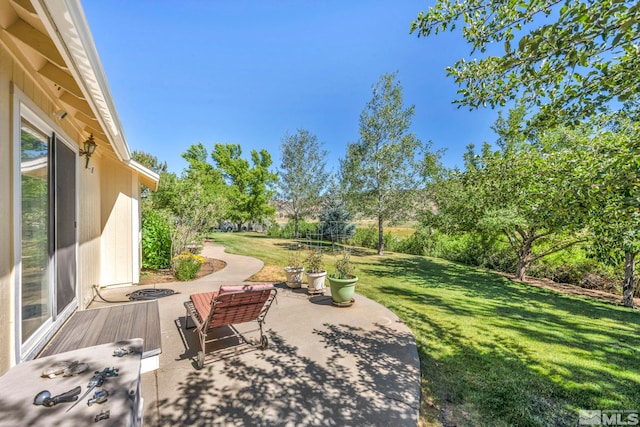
(568, 58)
(606, 182)
(250, 184)
(520, 191)
(302, 174)
(383, 170)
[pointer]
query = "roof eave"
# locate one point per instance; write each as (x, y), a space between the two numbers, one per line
(147, 176)
(67, 26)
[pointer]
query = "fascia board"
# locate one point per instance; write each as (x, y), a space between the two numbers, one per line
(148, 176)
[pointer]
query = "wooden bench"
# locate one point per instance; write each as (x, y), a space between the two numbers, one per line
(96, 326)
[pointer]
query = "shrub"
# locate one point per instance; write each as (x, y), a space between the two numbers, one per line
(186, 266)
(573, 266)
(391, 242)
(416, 244)
(156, 240)
(366, 237)
(288, 230)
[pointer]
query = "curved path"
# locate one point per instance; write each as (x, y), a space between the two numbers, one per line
(325, 365)
(238, 268)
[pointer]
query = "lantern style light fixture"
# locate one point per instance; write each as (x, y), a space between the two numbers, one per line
(89, 148)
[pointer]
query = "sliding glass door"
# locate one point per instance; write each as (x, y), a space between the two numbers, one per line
(47, 282)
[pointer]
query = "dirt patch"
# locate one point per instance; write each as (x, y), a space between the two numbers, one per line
(269, 273)
(151, 277)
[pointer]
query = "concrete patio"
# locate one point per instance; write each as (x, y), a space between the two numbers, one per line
(325, 365)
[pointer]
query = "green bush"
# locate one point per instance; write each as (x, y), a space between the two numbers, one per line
(473, 249)
(391, 242)
(186, 266)
(366, 237)
(156, 240)
(575, 267)
(288, 230)
(419, 243)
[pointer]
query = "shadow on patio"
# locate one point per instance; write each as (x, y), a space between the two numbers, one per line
(325, 365)
(363, 381)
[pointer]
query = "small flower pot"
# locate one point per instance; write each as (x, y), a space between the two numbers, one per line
(294, 276)
(316, 282)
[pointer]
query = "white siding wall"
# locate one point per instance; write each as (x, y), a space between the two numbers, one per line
(107, 212)
(6, 225)
(116, 215)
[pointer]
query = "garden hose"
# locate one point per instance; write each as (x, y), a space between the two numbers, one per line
(139, 295)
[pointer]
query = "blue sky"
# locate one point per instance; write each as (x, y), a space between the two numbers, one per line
(248, 72)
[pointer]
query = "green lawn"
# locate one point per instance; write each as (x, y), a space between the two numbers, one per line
(494, 352)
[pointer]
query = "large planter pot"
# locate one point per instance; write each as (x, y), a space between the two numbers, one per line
(342, 290)
(294, 276)
(316, 282)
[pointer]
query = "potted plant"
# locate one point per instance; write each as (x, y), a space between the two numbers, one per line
(343, 281)
(314, 267)
(294, 270)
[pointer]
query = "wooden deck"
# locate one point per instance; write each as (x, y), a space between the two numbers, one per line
(88, 328)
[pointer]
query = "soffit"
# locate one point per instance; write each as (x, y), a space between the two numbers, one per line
(60, 73)
(25, 35)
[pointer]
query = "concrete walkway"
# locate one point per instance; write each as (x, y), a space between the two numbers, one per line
(325, 365)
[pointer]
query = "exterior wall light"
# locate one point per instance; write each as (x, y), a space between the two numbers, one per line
(89, 148)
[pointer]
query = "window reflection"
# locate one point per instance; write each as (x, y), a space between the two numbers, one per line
(34, 170)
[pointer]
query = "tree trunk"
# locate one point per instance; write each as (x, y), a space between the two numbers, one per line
(629, 284)
(524, 258)
(380, 236)
(295, 232)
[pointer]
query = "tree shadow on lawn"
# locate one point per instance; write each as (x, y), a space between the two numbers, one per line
(366, 381)
(468, 321)
(472, 384)
(508, 298)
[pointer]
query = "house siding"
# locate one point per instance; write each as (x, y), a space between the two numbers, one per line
(116, 218)
(6, 225)
(107, 216)
(89, 229)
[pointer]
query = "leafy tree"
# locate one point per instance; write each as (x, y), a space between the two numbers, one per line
(302, 174)
(381, 171)
(200, 171)
(250, 187)
(165, 196)
(193, 202)
(149, 160)
(520, 191)
(570, 58)
(607, 183)
(193, 214)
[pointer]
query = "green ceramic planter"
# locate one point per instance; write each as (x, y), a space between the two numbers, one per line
(342, 290)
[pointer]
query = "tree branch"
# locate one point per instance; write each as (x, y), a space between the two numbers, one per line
(557, 248)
